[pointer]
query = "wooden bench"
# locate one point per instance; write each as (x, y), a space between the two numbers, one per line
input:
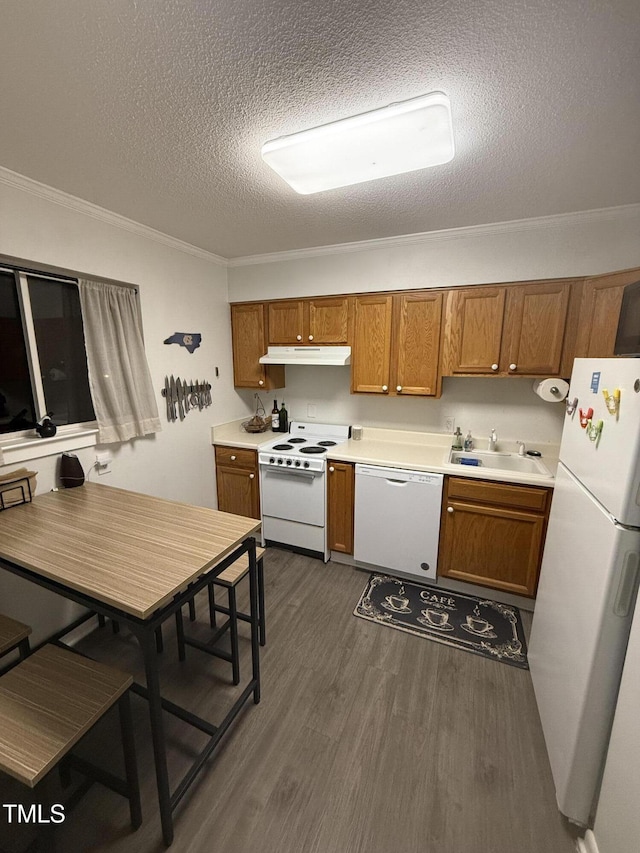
(229, 579)
(14, 635)
(48, 702)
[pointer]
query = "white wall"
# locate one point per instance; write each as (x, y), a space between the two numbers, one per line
(572, 245)
(477, 404)
(181, 291)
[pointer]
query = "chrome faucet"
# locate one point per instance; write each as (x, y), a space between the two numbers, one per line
(521, 448)
(493, 440)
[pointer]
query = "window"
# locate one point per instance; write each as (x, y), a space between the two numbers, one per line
(43, 364)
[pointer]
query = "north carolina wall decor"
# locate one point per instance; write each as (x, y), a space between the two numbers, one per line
(190, 341)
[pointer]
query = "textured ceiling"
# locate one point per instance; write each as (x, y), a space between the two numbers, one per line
(157, 109)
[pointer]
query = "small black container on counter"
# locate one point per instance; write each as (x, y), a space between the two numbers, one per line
(71, 473)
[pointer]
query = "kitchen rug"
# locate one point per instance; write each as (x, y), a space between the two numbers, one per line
(477, 625)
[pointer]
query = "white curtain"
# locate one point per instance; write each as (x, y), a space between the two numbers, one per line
(119, 378)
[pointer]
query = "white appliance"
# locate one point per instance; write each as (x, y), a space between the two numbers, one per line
(324, 355)
(589, 577)
(293, 486)
(397, 520)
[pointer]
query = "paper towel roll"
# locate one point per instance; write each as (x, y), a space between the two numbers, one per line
(551, 390)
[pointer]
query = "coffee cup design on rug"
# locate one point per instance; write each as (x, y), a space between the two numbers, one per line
(480, 626)
(436, 617)
(398, 602)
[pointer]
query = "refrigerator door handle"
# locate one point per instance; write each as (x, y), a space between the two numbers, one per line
(628, 585)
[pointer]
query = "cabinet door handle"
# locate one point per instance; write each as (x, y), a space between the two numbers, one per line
(449, 509)
(310, 337)
(398, 387)
(513, 367)
(331, 468)
(298, 337)
(261, 382)
(233, 458)
(494, 367)
(385, 387)
(251, 476)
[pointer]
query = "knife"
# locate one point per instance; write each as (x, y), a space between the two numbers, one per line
(208, 387)
(199, 387)
(185, 395)
(167, 397)
(174, 397)
(193, 396)
(180, 395)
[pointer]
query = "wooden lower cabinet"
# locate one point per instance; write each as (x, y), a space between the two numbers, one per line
(237, 481)
(340, 494)
(493, 534)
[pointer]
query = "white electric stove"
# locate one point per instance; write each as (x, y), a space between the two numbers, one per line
(293, 486)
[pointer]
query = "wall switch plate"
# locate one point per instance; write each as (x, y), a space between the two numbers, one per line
(449, 423)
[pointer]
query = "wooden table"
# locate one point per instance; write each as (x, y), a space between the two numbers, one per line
(135, 559)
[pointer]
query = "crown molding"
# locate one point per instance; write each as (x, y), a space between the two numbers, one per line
(14, 179)
(628, 211)
(51, 194)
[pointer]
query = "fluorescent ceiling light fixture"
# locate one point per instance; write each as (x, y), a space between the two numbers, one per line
(399, 138)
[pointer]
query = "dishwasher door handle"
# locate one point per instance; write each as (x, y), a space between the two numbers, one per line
(397, 482)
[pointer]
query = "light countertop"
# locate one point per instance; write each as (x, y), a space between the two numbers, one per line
(402, 449)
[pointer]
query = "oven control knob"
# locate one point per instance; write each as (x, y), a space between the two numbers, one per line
(279, 461)
(288, 462)
(297, 463)
(272, 460)
(306, 464)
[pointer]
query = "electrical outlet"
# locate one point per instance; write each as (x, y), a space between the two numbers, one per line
(449, 423)
(311, 410)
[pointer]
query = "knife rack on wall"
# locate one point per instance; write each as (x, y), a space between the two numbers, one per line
(182, 396)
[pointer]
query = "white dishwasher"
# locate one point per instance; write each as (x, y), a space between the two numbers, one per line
(397, 520)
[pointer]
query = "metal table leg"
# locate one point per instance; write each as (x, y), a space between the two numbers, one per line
(254, 612)
(146, 638)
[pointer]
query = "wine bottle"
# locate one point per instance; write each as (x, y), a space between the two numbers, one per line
(275, 417)
(284, 419)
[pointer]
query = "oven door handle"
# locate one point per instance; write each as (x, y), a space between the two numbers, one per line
(284, 472)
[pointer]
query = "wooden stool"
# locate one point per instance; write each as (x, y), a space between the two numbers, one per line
(229, 579)
(48, 702)
(14, 635)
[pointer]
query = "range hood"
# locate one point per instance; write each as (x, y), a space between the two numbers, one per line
(307, 355)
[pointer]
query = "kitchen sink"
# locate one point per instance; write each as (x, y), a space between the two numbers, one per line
(499, 461)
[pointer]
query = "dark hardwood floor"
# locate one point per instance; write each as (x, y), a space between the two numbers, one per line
(367, 740)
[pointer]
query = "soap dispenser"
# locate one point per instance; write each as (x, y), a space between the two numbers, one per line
(457, 440)
(468, 441)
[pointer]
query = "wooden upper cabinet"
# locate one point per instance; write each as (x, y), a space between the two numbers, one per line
(533, 335)
(324, 320)
(286, 322)
(328, 320)
(417, 343)
(473, 330)
(515, 329)
(600, 312)
(371, 346)
(249, 340)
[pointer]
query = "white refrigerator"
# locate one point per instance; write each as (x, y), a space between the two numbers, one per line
(589, 577)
